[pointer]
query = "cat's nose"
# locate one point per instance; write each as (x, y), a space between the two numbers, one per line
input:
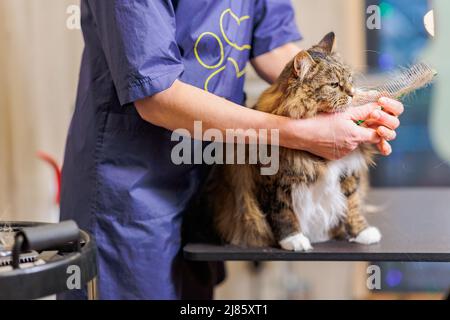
(350, 91)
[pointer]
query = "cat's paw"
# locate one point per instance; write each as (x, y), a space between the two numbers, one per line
(296, 242)
(369, 235)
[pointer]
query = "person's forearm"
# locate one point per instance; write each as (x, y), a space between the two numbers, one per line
(270, 65)
(330, 136)
(182, 104)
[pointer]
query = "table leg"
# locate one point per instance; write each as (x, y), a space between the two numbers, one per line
(92, 289)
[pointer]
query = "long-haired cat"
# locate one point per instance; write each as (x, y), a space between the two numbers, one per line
(310, 199)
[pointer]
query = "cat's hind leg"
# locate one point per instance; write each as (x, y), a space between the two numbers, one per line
(369, 235)
(356, 224)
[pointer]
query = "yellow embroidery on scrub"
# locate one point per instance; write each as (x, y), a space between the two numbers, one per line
(212, 76)
(238, 20)
(239, 73)
(236, 66)
(222, 53)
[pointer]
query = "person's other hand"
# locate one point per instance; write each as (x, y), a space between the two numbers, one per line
(333, 136)
(385, 122)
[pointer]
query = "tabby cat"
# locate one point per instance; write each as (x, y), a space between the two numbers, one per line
(310, 199)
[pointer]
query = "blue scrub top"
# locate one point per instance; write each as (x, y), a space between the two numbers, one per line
(118, 181)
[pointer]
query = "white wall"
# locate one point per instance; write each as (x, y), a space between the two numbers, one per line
(346, 18)
(39, 61)
(294, 280)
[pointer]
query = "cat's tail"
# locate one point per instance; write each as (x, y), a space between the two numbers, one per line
(237, 215)
(246, 225)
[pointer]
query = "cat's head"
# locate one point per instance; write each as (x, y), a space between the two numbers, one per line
(320, 79)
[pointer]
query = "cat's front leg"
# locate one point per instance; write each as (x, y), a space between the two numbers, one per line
(296, 242)
(283, 221)
(355, 223)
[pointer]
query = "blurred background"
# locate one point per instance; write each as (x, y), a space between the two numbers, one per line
(40, 55)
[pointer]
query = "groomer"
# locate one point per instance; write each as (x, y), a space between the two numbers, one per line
(152, 66)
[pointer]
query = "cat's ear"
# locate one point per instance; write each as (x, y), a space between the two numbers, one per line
(302, 64)
(328, 43)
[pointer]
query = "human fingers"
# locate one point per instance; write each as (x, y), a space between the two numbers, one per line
(384, 147)
(386, 133)
(384, 119)
(391, 106)
(362, 112)
(366, 135)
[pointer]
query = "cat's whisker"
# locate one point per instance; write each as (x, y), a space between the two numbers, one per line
(374, 51)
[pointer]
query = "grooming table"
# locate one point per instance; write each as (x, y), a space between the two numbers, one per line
(46, 272)
(414, 222)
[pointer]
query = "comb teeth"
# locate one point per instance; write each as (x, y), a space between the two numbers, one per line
(402, 83)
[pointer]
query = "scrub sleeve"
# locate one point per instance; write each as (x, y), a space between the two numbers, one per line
(126, 28)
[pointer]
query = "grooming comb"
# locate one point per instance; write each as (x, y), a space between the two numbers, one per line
(402, 83)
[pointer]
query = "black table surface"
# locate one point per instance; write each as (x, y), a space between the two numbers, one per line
(414, 222)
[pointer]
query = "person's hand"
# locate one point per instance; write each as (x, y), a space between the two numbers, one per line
(333, 136)
(385, 122)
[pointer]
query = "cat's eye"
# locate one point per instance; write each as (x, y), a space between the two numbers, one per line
(334, 84)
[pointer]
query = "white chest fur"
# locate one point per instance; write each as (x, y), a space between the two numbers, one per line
(320, 206)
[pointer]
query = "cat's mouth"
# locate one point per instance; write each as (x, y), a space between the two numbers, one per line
(338, 106)
(339, 109)
(342, 106)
